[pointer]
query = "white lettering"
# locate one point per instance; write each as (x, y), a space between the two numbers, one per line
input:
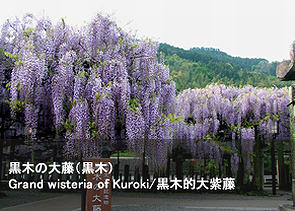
(14, 184)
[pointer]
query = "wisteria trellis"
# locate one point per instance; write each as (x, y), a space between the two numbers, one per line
(98, 84)
(232, 113)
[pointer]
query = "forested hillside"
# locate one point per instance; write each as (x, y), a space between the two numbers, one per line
(198, 67)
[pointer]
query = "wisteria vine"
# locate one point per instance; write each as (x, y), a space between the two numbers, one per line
(220, 112)
(99, 83)
(96, 84)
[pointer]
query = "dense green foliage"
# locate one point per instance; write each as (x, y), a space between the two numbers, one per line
(198, 67)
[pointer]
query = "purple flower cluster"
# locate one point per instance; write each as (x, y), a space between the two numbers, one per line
(247, 143)
(209, 149)
(232, 113)
(97, 81)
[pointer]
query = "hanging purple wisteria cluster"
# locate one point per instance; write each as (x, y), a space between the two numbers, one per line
(243, 115)
(97, 83)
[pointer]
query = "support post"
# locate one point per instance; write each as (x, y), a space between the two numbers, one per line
(258, 165)
(273, 168)
(83, 194)
(2, 139)
(281, 169)
(292, 132)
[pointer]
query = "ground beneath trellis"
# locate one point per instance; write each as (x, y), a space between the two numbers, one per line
(139, 201)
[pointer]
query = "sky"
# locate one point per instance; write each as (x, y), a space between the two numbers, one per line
(245, 28)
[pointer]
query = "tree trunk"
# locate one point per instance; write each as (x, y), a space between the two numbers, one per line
(168, 167)
(241, 173)
(258, 179)
(282, 181)
(179, 169)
